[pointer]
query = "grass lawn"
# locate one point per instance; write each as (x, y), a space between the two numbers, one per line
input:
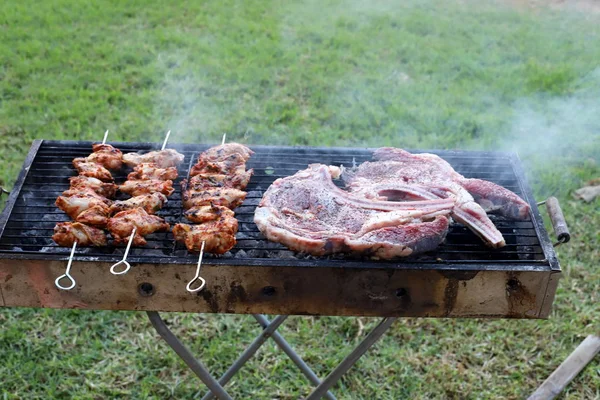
(468, 75)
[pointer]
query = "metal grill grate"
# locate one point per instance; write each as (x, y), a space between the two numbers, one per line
(30, 215)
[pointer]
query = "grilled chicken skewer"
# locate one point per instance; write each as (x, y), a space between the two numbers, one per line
(87, 201)
(213, 191)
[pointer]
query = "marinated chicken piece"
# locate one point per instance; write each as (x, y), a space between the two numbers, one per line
(66, 233)
(203, 214)
(219, 235)
(107, 156)
(207, 181)
(121, 225)
(233, 164)
(218, 153)
(88, 192)
(137, 188)
(86, 182)
(145, 171)
(84, 206)
(230, 198)
(151, 203)
(227, 159)
(92, 169)
(163, 158)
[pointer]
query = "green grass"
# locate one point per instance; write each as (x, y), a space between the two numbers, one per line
(469, 75)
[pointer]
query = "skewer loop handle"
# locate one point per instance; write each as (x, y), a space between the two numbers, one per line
(67, 273)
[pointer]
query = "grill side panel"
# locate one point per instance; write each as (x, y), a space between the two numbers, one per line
(284, 291)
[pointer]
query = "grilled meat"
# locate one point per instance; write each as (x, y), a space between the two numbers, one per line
(163, 159)
(227, 159)
(92, 169)
(136, 188)
(230, 198)
(207, 181)
(151, 203)
(150, 171)
(84, 206)
(121, 225)
(107, 156)
(218, 235)
(308, 213)
(218, 153)
(86, 182)
(66, 233)
(400, 175)
(203, 214)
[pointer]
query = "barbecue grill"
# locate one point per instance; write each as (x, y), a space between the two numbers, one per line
(462, 278)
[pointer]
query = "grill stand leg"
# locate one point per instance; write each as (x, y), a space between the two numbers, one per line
(195, 365)
(269, 330)
(296, 359)
(351, 359)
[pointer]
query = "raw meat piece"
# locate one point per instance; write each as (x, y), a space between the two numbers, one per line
(400, 175)
(308, 213)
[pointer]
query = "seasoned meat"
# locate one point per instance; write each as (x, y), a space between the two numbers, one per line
(66, 233)
(218, 235)
(136, 188)
(227, 159)
(400, 175)
(163, 159)
(151, 203)
(107, 156)
(121, 225)
(84, 206)
(202, 214)
(85, 182)
(151, 171)
(230, 198)
(92, 169)
(208, 181)
(308, 213)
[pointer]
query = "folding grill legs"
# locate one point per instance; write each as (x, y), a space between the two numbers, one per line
(269, 330)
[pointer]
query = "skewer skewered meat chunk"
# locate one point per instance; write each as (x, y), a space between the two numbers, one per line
(137, 188)
(163, 158)
(218, 153)
(203, 214)
(145, 171)
(151, 203)
(87, 182)
(84, 206)
(88, 192)
(66, 233)
(226, 197)
(92, 169)
(107, 156)
(121, 225)
(206, 181)
(218, 235)
(233, 164)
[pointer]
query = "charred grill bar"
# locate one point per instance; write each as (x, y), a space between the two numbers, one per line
(462, 278)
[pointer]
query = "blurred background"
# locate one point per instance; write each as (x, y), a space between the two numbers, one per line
(520, 76)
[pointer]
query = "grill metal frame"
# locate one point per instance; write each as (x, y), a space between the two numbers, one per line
(546, 258)
(514, 286)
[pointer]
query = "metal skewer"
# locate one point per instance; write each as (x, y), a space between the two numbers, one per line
(197, 277)
(223, 141)
(67, 273)
(105, 136)
(166, 140)
(124, 260)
